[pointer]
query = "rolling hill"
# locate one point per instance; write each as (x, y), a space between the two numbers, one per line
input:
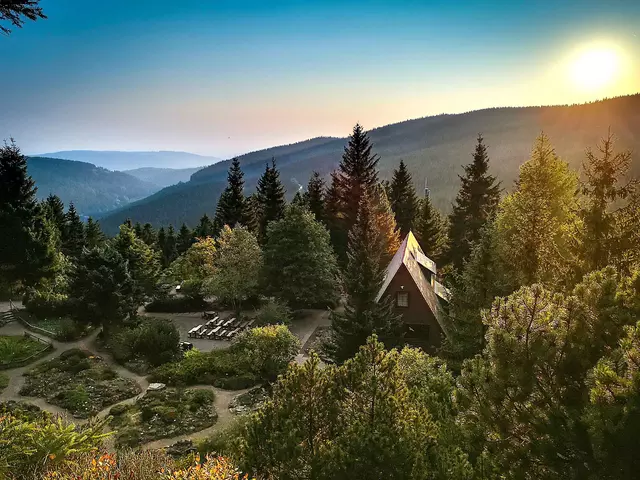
(116, 160)
(162, 177)
(92, 189)
(434, 149)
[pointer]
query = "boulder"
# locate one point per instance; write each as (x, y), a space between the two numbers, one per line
(155, 387)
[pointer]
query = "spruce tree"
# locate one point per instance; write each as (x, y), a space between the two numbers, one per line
(73, 240)
(161, 240)
(475, 204)
(185, 239)
(54, 211)
(606, 186)
(299, 200)
(232, 206)
(138, 230)
(385, 223)
(170, 248)
(363, 279)
(431, 230)
(148, 235)
(403, 199)
(25, 247)
(270, 199)
(314, 196)
(204, 229)
(356, 174)
(93, 234)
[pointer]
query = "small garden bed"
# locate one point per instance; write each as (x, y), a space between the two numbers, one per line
(79, 382)
(15, 349)
(249, 401)
(63, 329)
(162, 414)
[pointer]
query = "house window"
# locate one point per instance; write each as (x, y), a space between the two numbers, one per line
(402, 299)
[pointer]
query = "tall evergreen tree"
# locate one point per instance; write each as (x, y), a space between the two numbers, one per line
(149, 235)
(185, 239)
(431, 231)
(270, 199)
(161, 240)
(138, 229)
(606, 185)
(363, 279)
(475, 204)
(73, 240)
(25, 247)
(299, 200)
(170, 249)
(93, 234)
(54, 210)
(232, 206)
(385, 223)
(538, 225)
(403, 199)
(356, 174)
(314, 196)
(204, 229)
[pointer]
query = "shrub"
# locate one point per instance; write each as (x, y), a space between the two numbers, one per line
(176, 305)
(225, 441)
(237, 382)
(46, 304)
(155, 341)
(266, 351)
(68, 330)
(272, 313)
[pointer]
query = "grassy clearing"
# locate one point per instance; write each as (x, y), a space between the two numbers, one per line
(79, 382)
(161, 414)
(19, 347)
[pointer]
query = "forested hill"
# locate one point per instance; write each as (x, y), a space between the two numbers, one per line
(434, 148)
(92, 189)
(162, 177)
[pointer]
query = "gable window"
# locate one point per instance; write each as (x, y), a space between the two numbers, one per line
(402, 299)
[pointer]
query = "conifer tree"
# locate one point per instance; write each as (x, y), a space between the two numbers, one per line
(149, 235)
(93, 234)
(204, 228)
(73, 240)
(54, 210)
(403, 199)
(138, 230)
(16, 12)
(538, 225)
(356, 174)
(385, 223)
(25, 245)
(270, 199)
(314, 196)
(232, 206)
(607, 184)
(253, 214)
(185, 239)
(170, 250)
(431, 231)
(475, 204)
(363, 279)
(161, 240)
(299, 200)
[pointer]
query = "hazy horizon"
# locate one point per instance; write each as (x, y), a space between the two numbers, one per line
(224, 79)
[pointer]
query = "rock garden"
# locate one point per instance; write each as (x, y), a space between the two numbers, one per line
(163, 413)
(80, 382)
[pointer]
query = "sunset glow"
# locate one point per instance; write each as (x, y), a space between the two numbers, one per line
(596, 68)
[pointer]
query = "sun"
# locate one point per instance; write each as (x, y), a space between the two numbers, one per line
(595, 68)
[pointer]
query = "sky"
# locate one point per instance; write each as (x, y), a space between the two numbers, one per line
(221, 78)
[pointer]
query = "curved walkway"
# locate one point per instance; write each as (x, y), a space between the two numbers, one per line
(17, 380)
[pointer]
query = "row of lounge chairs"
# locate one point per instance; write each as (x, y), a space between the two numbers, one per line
(220, 329)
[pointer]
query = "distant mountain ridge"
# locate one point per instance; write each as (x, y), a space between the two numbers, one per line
(120, 160)
(93, 190)
(163, 177)
(434, 149)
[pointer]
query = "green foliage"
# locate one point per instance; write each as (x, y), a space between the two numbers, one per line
(165, 413)
(475, 204)
(73, 239)
(194, 267)
(314, 196)
(154, 341)
(232, 208)
(27, 242)
(4, 381)
(273, 312)
(16, 348)
(226, 440)
(269, 198)
(300, 267)
(431, 231)
(184, 240)
(93, 234)
(30, 446)
(537, 225)
(403, 199)
(236, 268)
(363, 278)
(366, 419)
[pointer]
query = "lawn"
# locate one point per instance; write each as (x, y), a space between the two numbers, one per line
(79, 382)
(161, 414)
(63, 329)
(19, 347)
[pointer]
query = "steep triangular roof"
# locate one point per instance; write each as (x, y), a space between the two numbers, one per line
(413, 258)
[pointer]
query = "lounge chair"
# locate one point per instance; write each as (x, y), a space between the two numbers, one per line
(229, 322)
(194, 331)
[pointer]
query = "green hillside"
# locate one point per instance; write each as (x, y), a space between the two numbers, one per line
(434, 148)
(162, 177)
(92, 189)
